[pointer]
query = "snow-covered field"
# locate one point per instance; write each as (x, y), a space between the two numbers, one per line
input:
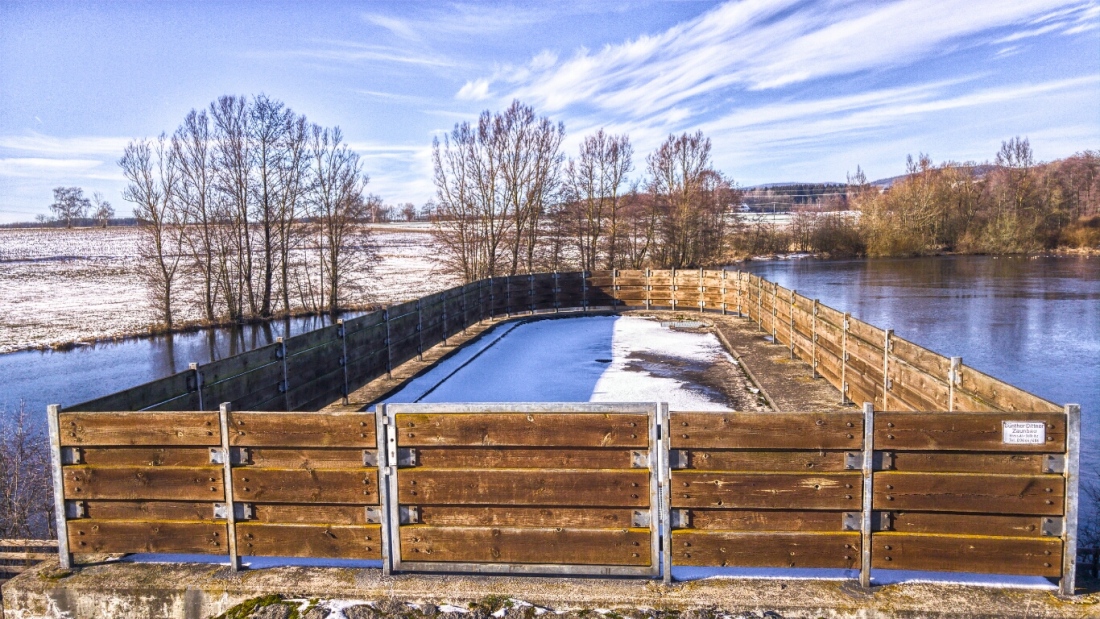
(59, 286)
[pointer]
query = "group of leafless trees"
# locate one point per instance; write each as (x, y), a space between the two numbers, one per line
(26, 499)
(248, 211)
(70, 207)
(508, 200)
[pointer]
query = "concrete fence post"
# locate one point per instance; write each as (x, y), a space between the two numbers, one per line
(865, 531)
(65, 556)
(1067, 585)
(227, 482)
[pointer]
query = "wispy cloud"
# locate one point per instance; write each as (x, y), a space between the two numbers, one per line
(358, 53)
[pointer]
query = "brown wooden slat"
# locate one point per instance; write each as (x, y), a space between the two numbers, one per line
(714, 460)
(965, 524)
(143, 482)
(932, 364)
(143, 396)
(114, 536)
(788, 550)
(766, 490)
(151, 510)
(970, 493)
(307, 458)
(27, 556)
(356, 486)
(138, 428)
(32, 543)
(1001, 394)
(768, 520)
(312, 513)
(524, 487)
(306, 540)
(302, 429)
(523, 429)
(522, 545)
(146, 456)
(940, 431)
(964, 553)
(964, 462)
(515, 516)
(511, 457)
(766, 430)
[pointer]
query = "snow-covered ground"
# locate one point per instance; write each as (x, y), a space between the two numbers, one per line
(60, 286)
(591, 359)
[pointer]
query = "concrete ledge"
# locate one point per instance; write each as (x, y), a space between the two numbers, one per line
(199, 591)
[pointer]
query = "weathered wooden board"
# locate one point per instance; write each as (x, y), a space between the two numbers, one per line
(964, 524)
(357, 486)
(318, 393)
(518, 516)
(289, 458)
(143, 482)
(970, 493)
(117, 536)
(302, 429)
(306, 540)
(1001, 394)
(244, 386)
(250, 361)
(766, 431)
(788, 550)
(139, 429)
(840, 491)
(313, 513)
(522, 457)
(524, 545)
(628, 488)
(716, 460)
(523, 429)
(920, 358)
(940, 431)
(765, 520)
(142, 396)
(145, 456)
(966, 462)
(321, 337)
(151, 510)
(966, 553)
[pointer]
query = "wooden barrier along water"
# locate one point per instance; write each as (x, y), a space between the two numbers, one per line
(578, 488)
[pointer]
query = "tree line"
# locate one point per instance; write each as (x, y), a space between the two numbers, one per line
(248, 210)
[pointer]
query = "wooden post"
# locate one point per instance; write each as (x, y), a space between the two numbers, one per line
(1072, 476)
(886, 368)
(813, 342)
(53, 412)
(952, 380)
(868, 477)
(844, 360)
(227, 482)
(286, 375)
(341, 331)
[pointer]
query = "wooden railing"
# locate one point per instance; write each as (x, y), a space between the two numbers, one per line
(578, 488)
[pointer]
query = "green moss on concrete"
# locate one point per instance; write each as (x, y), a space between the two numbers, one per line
(247, 608)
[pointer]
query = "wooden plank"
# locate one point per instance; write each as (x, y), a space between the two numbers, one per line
(318, 392)
(356, 486)
(965, 524)
(224, 369)
(766, 490)
(921, 391)
(522, 545)
(244, 385)
(139, 428)
(562, 487)
(143, 482)
(151, 510)
(713, 460)
(523, 430)
(33, 543)
(27, 556)
(302, 429)
(767, 520)
(522, 458)
(516, 516)
(312, 513)
(279, 458)
(787, 550)
(323, 337)
(766, 430)
(964, 462)
(1001, 394)
(940, 431)
(142, 396)
(866, 332)
(964, 553)
(970, 493)
(145, 456)
(920, 358)
(115, 536)
(306, 540)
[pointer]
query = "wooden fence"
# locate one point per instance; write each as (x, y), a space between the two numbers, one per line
(578, 488)
(19, 555)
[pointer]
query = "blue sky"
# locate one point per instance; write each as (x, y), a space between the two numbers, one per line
(787, 90)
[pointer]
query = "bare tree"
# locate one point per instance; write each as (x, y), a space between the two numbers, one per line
(233, 180)
(69, 204)
(152, 186)
(595, 181)
(103, 211)
(193, 150)
(26, 495)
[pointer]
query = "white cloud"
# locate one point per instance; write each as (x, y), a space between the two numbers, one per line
(476, 90)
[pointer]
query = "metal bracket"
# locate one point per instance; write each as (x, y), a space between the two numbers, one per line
(883, 460)
(408, 456)
(846, 325)
(1053, 527)
(370, 457)
(72, 455)
(241, 511)
(76, 509)
(340, 331)
(679, 459)
(882, 521)
(680, 519)
(853, 460)
(850, 521)
(343, 361)
(408, 514)
(1054, 463)
(282, 386)
(889, 384)
(217, 456)
(373, 515)
(640, 519)
(639, 460)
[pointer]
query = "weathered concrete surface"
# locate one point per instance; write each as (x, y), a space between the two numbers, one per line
(196, 591)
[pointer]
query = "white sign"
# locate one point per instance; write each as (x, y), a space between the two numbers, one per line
(1024, 433)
